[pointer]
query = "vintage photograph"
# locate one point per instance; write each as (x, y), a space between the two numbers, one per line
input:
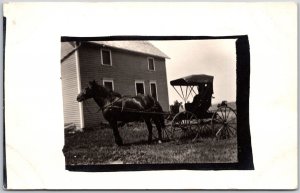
(149, 101)
(150, 96)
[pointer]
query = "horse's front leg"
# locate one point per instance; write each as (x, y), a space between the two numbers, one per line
(149, 126)
(118, 138)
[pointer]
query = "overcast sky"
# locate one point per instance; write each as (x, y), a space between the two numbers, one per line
(211, 57)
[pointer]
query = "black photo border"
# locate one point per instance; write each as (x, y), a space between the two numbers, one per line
(245, 156)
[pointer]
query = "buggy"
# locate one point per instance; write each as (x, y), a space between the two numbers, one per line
(198, 118)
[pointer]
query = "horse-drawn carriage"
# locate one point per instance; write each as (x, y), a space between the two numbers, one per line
(196, 119)
(193, 121)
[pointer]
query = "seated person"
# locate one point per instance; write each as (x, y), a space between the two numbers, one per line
(201, 101)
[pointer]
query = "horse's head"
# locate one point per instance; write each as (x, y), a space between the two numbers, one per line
(93, 90)
(87, 92)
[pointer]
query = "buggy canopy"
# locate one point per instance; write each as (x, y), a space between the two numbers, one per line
(192, 80)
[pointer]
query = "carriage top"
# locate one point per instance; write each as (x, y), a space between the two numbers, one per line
(189, 82)
(193, 80)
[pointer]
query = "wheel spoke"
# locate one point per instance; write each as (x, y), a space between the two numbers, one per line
(219, 132)
(231, 130)
(227, 132)
(217, 126)
(222, 113)
(234, 118)
(165, 133)
(218, 118)
(230, 115)
(232, 123)
(231, 127)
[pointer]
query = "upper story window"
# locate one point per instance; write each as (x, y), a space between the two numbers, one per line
(151, 64)
(106, 57)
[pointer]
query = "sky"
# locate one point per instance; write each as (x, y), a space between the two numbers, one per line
(211, 57)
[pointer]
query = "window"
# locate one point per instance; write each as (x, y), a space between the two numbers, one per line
(109, 84)
(106, 57)
(139, 87)
(151, 64)
(153, 89)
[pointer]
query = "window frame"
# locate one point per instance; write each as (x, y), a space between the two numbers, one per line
(139, 81)
(153, 82)
(149, 58)
(102, 63)
(109, 80)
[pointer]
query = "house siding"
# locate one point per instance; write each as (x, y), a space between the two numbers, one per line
(127, 67)
(69, 86)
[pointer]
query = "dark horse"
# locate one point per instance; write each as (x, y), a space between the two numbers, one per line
(125, 109)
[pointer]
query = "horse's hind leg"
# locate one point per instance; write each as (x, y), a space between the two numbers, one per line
(158, 127)
(149, 126)
(118, 138)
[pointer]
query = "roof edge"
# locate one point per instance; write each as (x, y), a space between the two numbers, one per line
(166, 57)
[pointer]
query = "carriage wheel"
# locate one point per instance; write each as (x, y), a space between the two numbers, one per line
(185, 125)
(224, 123)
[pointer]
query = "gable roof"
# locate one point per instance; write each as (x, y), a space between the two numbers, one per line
(143, 47)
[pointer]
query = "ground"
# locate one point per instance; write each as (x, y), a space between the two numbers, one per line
(95, 146)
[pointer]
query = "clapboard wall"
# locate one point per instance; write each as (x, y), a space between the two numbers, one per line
(69, 84)
(127, 67)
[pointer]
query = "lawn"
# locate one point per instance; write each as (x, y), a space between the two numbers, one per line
(96, 146)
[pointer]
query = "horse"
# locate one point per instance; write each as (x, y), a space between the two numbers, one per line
(125, 109)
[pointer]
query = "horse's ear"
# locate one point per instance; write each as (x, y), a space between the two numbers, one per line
(93, 82)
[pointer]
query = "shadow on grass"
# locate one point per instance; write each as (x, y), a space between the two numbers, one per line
(144, 142)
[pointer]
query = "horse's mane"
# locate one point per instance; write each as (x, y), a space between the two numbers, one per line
(104, 91)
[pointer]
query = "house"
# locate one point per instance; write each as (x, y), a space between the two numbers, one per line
(127, 67)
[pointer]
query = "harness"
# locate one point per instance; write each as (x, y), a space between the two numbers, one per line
(150, 110)
(106, 106)
(111, 104)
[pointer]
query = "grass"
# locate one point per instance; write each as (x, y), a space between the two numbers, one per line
(96, 146)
